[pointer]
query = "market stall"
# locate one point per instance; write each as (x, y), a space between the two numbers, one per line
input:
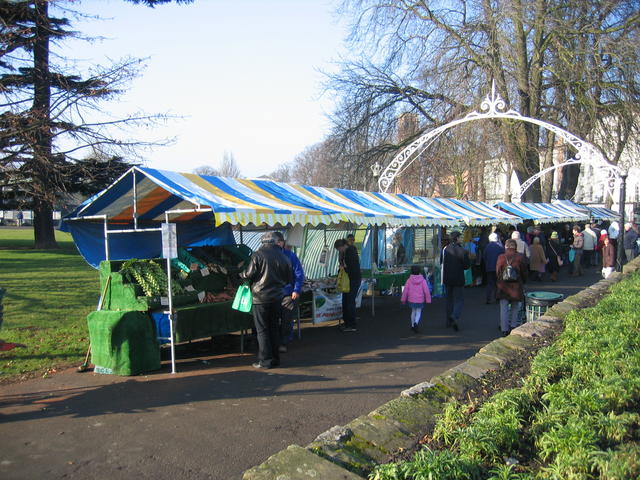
(150, 214)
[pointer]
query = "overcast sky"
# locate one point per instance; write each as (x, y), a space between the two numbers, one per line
(243, 73)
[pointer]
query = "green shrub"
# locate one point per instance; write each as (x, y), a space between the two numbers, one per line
(575, 417)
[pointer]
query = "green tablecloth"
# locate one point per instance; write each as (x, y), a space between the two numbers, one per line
(384, 281)
(209, 319)
(123, 343)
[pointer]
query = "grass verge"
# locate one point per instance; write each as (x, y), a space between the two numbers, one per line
(49, 294)
(575, 416)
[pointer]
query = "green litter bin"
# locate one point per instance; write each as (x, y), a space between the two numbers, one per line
(538, 302)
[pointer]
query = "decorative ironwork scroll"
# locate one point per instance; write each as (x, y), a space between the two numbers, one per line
(493, 106)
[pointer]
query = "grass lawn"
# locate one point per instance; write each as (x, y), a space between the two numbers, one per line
(49, 294)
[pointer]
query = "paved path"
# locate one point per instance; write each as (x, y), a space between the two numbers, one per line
(214, 420)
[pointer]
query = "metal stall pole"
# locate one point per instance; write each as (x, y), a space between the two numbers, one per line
(167, 252)
(373, 262)
(135, 201)
(621, 206)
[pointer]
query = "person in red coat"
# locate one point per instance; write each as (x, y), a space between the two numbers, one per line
(608, 257)
(510, 293)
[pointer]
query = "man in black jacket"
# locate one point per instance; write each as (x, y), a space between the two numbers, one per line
(455, 260)
(350, 260)
(268, 272)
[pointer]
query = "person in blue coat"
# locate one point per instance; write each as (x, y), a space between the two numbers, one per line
(491, 253)
(291, 294)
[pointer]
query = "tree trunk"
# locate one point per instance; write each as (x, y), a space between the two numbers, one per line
(43, 204)
(43, 229)
(569, 183)
(547, 180)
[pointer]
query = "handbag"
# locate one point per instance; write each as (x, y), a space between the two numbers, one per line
(243, 301)
(572, 255)
(509, 274)
(342, 282)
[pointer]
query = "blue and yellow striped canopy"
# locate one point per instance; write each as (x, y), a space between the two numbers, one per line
(544, 212)
(150, 193)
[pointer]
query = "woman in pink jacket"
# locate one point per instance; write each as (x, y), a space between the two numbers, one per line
(416, 293)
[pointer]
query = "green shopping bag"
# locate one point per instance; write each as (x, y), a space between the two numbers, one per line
(243, 300)
(468, 277)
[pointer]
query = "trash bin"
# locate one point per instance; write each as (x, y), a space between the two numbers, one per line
(538, 302)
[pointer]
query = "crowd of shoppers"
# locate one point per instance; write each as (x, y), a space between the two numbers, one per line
(507, 260)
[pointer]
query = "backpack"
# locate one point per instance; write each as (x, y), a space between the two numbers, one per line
(510, 273)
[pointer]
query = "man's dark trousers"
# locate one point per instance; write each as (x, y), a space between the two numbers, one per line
(455, 302)
(288, 308)
(266, 316)
(491, 287)
(349, 304)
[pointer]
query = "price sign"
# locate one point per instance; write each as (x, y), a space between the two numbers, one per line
(169, 240)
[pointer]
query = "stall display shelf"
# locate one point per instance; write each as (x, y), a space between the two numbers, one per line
(387, 280)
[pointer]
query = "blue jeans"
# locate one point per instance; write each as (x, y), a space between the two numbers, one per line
(509, 317)
(455, 302)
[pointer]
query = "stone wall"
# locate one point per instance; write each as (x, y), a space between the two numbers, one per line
(349, 452)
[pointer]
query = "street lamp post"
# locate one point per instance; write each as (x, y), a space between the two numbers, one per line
(376, 168)
(621, 204)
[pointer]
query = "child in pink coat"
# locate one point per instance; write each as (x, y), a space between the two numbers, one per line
(416, 293)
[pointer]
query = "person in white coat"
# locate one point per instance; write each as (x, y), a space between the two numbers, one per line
(521, 245)
(589, 245)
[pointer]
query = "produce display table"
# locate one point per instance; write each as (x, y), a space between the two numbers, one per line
(128, 328)
(202, 320)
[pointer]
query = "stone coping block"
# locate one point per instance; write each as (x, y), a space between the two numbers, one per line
(417, 390)
(297, 463)
(370, 439)
(478, 365)
(455, 380)
(507, 347)
(550, 319)
(581, 299)
(349, 453)
(561, 309)
(415, 412)
(535, 328)
(629, 267)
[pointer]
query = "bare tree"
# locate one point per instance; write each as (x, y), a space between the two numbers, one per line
(437, 59)
(206, 171)
(228, 167)
(281, 174)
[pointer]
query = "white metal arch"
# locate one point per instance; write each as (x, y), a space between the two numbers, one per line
(494, 106)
